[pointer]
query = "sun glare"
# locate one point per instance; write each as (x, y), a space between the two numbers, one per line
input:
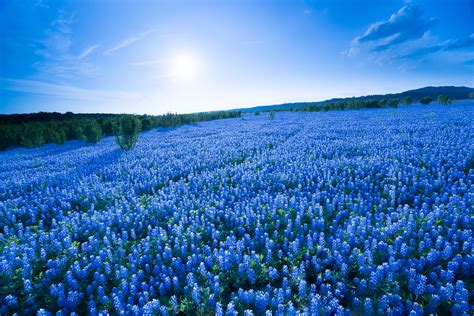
(184, 66)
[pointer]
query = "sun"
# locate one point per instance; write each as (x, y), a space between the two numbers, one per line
(184, 66)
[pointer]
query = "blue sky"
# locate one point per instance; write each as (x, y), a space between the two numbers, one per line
(189, 56)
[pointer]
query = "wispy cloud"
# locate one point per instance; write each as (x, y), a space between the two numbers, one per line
(127, 42)
(459, 44)
(64, 91)
(86, 52)
(55, 49)
(149, 62)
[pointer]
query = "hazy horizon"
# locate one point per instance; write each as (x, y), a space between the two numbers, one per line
(159, 56)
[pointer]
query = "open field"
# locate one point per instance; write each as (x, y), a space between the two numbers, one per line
(365, 211)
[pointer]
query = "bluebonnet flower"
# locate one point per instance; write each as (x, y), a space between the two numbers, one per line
(231, 309)
(152, 307)
(302, 289)
(368, 309)
(237, 205)
(260, 302)
(219, 311)
(196, 294)
(11, 300)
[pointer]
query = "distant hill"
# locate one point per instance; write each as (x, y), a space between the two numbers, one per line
(455, 93)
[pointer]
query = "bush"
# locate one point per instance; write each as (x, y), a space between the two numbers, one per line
(444, 99)
(127, 130)
(271, 115)
(33, 135)
(393, 103)
(92, 131)
(407, 101)
(426, 100)
(57, 136)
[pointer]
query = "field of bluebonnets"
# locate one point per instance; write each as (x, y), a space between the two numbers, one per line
(352, 212)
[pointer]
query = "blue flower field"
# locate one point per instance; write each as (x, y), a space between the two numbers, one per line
(346, 212)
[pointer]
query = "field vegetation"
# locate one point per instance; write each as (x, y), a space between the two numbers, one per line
(346, 212)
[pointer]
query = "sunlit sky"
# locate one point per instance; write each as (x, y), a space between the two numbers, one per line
(189, 56)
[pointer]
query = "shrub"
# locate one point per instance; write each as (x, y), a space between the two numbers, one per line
(127, 130)
(33, 136)
(57, 136)
(426, 100)
(92, 131)
(271, 115)
(407, 101)
(444, 99)
(393, 103)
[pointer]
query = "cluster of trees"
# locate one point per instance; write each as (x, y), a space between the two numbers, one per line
(454, 93)
(37, 129)
(353, 104)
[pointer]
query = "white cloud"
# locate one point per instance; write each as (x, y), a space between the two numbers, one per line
(405, 25)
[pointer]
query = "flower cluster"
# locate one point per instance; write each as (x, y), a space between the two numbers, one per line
(355, 212)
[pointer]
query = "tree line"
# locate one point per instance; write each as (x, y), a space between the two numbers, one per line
(37, 129)
(354, 104)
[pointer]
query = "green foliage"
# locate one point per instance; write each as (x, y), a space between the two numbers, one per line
(9, 136)
(147, 123)
(271, 115)
(257, 113)
(444, 99)
(426, 100)
(407, 100)
(393, 103)
(33, 135)
(36, 129)
(92, 132)
(78, 133)
(383, 103)
(353, 104)
(471, 95)
(57, 135)
(126, 131)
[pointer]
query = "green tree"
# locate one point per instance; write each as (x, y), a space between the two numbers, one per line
(33, 135)
(57, 134)
(407, 100)
(127, 130)
(6, 139)
(147, 123)
(426, 100)
(382, 103)
(92, 131)
(471, 95)
(393, 103)
(444, 99)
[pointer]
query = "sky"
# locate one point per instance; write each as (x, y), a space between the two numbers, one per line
(155, 57)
